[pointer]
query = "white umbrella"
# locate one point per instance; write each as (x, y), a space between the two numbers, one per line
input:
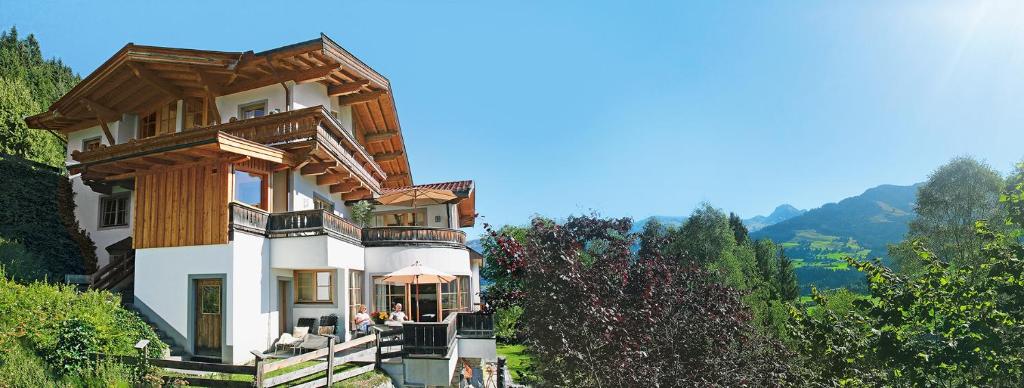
(418, 274)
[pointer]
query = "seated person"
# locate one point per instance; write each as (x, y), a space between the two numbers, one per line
(362, 320)
(398, 315)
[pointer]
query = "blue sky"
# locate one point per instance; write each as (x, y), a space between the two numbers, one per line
(637, 108)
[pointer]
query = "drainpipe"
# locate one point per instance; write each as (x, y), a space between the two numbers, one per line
(287, 97)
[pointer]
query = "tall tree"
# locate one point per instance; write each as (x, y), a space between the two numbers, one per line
(955, 196)
(789, 289)
(739, 231)
(28, 83)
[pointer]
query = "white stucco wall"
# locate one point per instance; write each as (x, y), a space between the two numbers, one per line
(162, 281)
(274, 94)
(315, 252)
(380, 260)
(162, 285)
(87, 210)
(304, 189)
(310, 94)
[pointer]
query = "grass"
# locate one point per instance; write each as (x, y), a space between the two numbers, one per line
(517, 359)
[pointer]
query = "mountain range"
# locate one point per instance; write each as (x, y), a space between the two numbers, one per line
(781, 213)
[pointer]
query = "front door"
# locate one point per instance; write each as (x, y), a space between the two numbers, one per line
(208, 317)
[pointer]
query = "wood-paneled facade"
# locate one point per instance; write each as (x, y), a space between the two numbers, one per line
(183, 206)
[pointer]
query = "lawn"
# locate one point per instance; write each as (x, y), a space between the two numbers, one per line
(517, 359)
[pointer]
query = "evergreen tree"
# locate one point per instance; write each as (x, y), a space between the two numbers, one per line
(789, 289)
(739, 231)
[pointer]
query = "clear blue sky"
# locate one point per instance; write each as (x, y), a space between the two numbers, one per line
(635, 109)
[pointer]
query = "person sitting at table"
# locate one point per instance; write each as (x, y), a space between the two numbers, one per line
(398, 315)
(362, 320)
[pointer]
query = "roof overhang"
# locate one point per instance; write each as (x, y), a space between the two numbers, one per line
(126, 161)
(138, 78)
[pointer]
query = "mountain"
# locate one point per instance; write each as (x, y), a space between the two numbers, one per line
(781, 213)
(861, 226)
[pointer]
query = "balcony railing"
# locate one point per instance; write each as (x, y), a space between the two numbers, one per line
(316, 222)
(413, 235)
(429, 339)
(475, 325)
(312, 222)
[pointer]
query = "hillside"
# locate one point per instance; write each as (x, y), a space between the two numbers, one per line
(781, 213)
(861, 226)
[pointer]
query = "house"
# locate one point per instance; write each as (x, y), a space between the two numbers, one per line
(219, 188)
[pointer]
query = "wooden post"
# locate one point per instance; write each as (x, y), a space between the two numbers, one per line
(501, 372)
(379, 339)
(143, 364)
(257, 377)
(330, 359)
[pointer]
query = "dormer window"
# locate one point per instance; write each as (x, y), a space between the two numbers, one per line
(252, 110)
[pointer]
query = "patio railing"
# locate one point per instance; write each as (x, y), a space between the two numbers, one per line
(475, 325)
(429, 339)
(413, 235)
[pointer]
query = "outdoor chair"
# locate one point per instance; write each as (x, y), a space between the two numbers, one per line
(328, 324)
(293, 339)
(313, 342)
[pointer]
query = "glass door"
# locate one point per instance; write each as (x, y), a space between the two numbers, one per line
(424, 302)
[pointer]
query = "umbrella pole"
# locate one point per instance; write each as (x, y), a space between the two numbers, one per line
(419, 310)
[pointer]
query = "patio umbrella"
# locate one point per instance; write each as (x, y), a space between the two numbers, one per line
(413, 196)
(418, 274)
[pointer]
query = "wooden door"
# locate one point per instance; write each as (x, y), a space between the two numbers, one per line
(208, 316)
(282, 306)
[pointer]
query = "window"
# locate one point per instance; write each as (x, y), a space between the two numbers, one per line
(385, 295)
(464, 293)
(210, 300)
(402, 218)
(323, 203)
(455, 296)
(147, 125)
(193, 116)
(355, 292)
(91, 144)
(252, 110)
(251, 188)
(114, 211)
(314, 286)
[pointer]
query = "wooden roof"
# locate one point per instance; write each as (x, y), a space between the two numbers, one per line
(139, 78)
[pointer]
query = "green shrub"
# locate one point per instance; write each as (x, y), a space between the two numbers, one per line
(76, 342)
(505, 321)
(59, 326)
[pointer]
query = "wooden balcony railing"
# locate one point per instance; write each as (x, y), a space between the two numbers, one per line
(475, 325)
(413, 235)
(312, 222)
(291, 224)
(319, 222)
(429, 339)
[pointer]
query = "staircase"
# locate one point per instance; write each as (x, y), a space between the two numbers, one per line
(175, 351)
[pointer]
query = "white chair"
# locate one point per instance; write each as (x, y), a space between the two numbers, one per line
(293, 339)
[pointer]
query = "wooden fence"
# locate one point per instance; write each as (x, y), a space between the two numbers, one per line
(208, 374)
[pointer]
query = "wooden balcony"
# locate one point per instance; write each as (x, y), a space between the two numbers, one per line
(317, 222)
(475, 325)
(430, 339)
(314, 222)
(413, 235)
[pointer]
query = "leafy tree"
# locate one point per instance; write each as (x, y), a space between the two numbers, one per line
(955, 196)
(593, 309)
(29, 83)
(949, 325)
(739, 231)
(362, 212)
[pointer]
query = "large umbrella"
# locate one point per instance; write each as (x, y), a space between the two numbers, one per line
(413, 196)
(418, 274)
